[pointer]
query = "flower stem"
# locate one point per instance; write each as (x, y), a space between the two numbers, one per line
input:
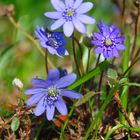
(46, 60)
(74, 54)
(81, 54)
(136, 31)
(17, 26)
(89, 50)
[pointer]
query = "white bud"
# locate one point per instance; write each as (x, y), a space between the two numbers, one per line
(17, 83)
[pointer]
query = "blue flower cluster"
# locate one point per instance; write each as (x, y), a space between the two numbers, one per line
(47, 94)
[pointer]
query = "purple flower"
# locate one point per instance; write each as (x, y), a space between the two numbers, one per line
(108, 41)
(47, 94)
(54, 41)
(70, 14)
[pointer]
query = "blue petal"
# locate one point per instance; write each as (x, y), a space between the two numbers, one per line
(40, 108)
(77, 3)
(105, 53)
(34, 99)
(61, 50)
(99, 50)
(119, 39)
(39, 83)
(53, 15)
(53, 75)
(51, 50)
(61, 106)
(84, 7)
(69, 3)
(35, 91)
(71, 94)
(58, 5)
(114, 33)
(79, 26)
(68, 28)
(98, 36)
(66, 80)
(115, 52)
(58, 23)
(50, 112)
(86, 19)
(97, 42)
(120, 47)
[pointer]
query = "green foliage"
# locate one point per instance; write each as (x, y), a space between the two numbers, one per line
(15, 124)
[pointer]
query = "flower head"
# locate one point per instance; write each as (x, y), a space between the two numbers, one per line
(47, 94)
(70, 14)
(108, 41)
(54, 41)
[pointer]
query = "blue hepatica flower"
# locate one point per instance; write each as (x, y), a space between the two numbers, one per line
(54, 41)
(70, 14)
(108, 41)
(47, 94)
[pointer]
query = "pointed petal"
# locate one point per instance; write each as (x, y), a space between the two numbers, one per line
(53, 15)
(110, 54)
(99, 50)
(86, 19)
(40, 108)
(106, 31)
(99, 36)
(68, 28)
(84, 7)
(61, 106)
(58, 23)
(69, 3)
(119, 39)
(79, 26)
(120, 47)
(58, 5)
(114, 33)
(115, 52)
(71, 94)
(50, 112)
(34, 99)
(66, 80)
(53, 75)
(39, 83)
(77, 3)
(105, 54)
(35, 91)
(51, 50)
(97, 42)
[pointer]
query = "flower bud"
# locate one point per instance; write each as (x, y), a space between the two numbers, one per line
(137, 3)
(17, 83)
(87, 41)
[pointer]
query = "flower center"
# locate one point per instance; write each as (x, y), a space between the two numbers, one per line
(108, 42)
(70, 12)
(52, 42)
(52, 91)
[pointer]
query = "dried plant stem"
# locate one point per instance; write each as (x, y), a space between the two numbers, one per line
(89, 50)
(122, 15)
(135, 35)
(46, 60)
(17, 26)
(81, 55)
(122, 110)
(74, 54)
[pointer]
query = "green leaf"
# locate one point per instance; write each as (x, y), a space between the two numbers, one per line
(15, 124)
(112, 74)
(102, 66)
(123, 81)
(85, 98)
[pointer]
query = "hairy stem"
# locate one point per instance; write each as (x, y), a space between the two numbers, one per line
(74, 54)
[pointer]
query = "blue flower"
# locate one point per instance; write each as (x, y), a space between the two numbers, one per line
(54, 41)
(47, 94)
(70, 14)
(108, 41)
